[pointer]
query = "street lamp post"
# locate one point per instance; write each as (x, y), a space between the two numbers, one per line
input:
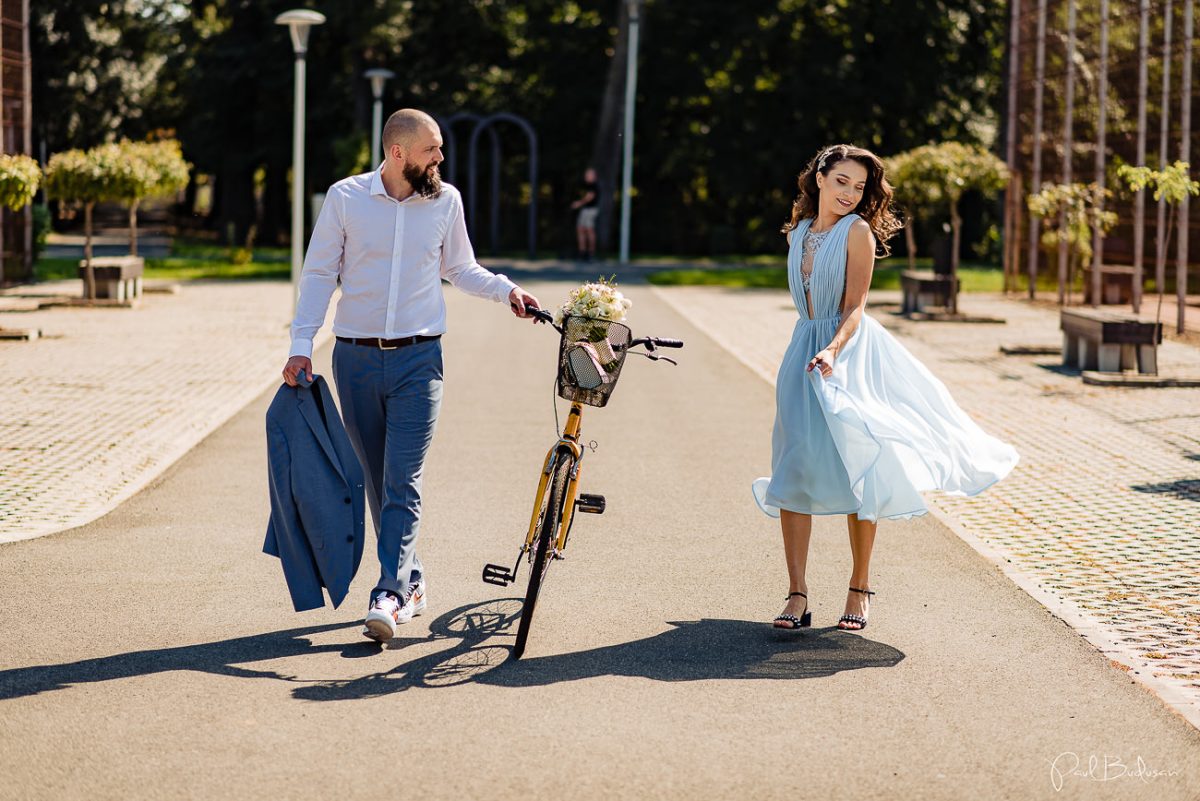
(635, 8)
(378, 77)
(299, 21)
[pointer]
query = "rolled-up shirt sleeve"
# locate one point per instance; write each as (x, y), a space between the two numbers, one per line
(459, 266)
(318, 279)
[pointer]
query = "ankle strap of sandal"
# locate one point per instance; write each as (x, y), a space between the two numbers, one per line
(791, 594)
(864, 592)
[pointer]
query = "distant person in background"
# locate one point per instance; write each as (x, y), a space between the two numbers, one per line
(588, 206)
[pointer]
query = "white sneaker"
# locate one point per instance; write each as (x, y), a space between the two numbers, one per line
(383, 617)
(413, 602)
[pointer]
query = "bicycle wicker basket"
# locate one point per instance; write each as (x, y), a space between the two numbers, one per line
(590, 356)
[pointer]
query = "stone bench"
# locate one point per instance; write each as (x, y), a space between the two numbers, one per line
(1116, 284)
(924, 288)
(117, 277)
(1109, 342)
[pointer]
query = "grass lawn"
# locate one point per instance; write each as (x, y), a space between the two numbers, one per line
(176, 268)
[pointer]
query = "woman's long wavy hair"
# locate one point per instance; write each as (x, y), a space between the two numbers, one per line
(875, 206)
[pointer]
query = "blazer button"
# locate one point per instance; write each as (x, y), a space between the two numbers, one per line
(346, 499)
(350, 538)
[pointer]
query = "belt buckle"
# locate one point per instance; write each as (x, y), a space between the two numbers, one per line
(379, 342)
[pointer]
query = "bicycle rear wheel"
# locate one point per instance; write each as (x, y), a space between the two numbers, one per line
(543, 546)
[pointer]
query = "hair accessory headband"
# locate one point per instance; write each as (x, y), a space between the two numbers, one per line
(821, 160)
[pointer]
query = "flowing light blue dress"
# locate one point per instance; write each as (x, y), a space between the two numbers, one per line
(877, 433)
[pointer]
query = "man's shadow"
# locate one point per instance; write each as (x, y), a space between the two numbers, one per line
(481, 637)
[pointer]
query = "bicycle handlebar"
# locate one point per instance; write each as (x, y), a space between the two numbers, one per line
(650, 342)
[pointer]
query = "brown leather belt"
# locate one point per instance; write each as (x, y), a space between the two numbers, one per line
(388, 344)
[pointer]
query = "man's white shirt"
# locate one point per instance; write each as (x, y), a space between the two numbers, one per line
(390, 256)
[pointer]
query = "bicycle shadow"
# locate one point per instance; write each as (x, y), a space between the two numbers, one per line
(698, 650)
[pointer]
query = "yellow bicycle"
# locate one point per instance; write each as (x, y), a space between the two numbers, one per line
(590, 357)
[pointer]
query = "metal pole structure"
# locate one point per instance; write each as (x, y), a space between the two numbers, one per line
(1160, 232)
(1068, 144)
(630, 96)
(1139, 199)
(1039, 86)
(1011, 264)
(1185, 152)
(378, 77)
(1101, 144)
(299, 22)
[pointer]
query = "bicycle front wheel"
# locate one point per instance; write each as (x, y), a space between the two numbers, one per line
(544, 547)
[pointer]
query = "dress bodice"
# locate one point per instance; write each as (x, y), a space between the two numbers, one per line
(827, 283)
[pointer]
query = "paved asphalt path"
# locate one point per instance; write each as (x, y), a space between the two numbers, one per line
(154, 654)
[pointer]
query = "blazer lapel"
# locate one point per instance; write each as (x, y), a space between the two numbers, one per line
(308, 410)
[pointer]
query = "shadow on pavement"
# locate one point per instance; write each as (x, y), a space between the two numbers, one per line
(482, 636)
(1185, 490)
(219, 658)
(689, 651)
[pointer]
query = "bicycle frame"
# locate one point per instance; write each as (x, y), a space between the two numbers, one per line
(567, 447)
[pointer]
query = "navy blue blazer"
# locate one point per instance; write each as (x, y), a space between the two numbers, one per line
(317, 506)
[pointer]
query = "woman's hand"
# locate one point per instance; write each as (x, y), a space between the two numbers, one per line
(823, 361)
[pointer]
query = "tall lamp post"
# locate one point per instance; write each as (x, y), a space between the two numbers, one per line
(635, 8)
(299, 21)
(378, 77)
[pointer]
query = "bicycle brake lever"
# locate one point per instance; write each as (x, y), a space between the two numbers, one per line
(654, 357)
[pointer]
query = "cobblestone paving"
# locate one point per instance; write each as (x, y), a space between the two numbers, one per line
(1100, 520)
(109, 398)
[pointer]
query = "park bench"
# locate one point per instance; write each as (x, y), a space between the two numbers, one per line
(1116, 284)
(1109, 341)
(925, 288)
(117, 277)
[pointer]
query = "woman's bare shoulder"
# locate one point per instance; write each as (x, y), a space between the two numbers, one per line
(860, 232)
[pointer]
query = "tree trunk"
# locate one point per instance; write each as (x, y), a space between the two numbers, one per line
(955, 243)
(1036, 177)
(1068, 150)
(910, 242)
(1139, 208)
(89, 275)
(1101, 143)
(606, 148)
(276, 206)
(1185, 154)
(1161, 238)
(235, 184)
(133, 210)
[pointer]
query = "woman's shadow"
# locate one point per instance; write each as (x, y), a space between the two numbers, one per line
(481, 637)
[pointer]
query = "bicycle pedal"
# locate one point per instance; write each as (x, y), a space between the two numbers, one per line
(499, 575)
(590, 504)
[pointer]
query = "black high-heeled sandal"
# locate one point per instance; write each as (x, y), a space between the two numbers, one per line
(804, 621)
(859, 619)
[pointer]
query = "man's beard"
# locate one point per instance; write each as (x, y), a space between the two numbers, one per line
(425, 182)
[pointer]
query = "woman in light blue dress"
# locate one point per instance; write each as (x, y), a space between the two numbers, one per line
(862, 428)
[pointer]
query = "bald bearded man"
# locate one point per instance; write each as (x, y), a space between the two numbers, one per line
(391, 236)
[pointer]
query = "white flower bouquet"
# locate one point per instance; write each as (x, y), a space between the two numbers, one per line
(597, 300)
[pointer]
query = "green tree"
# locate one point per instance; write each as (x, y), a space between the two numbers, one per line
(20, 177)
(147, 170)
(105, 68)
(79, 178)
(1079, 210)
(941, 174)
(1172, 184)
(918, 193)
